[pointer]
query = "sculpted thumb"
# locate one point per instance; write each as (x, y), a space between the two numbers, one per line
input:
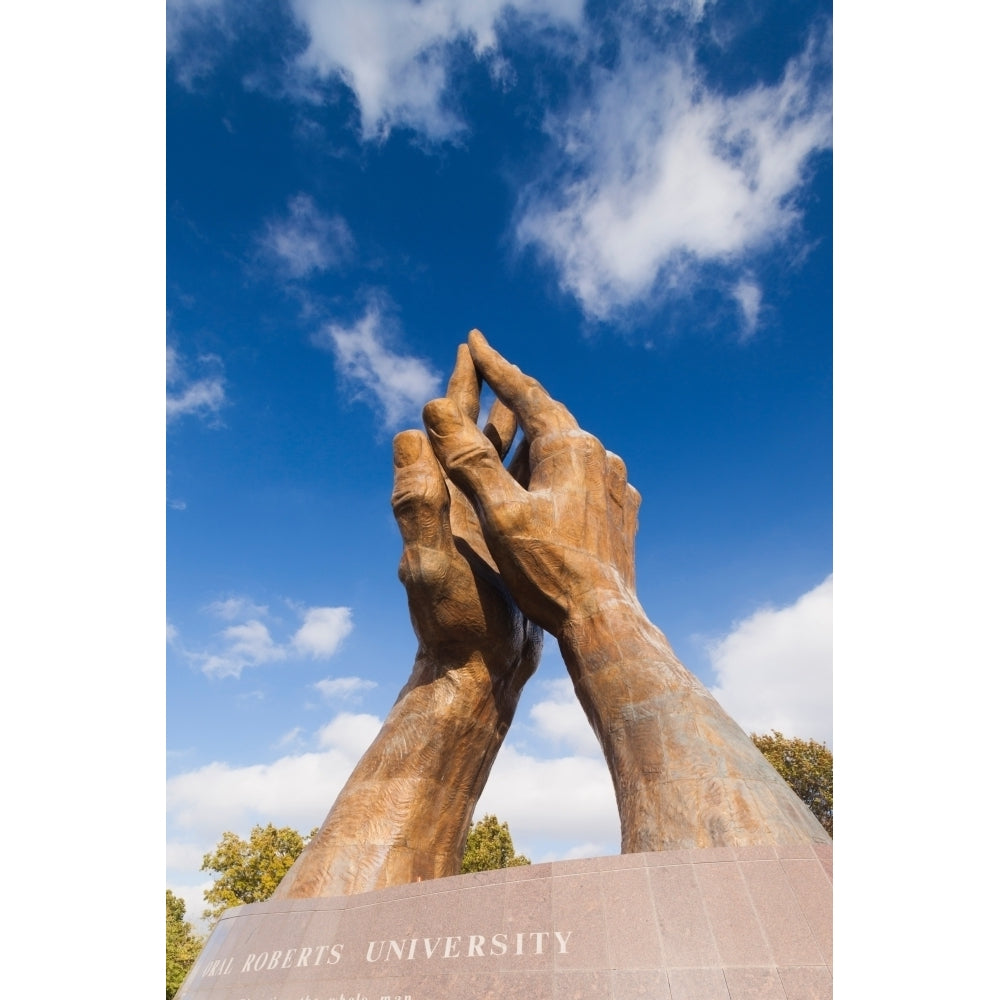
(468, 456)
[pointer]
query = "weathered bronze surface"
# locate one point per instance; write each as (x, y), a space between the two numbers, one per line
(405, 812)
(489, 555)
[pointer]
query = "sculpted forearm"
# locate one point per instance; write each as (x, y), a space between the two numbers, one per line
(404, 813)
(685, 775)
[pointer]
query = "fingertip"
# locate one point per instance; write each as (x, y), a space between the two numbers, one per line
(407, 447)
(465, 382)
(479, 345)
(442, 416)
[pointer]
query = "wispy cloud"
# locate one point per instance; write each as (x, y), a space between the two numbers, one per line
(395, 54)
(748, 295)
(305, 241)
(653, 174)
(231, 608)
(292, 738)
(775, 668)
(397, 385)
(343, 688)
(251, 644)
(203, 395)
(194, 31)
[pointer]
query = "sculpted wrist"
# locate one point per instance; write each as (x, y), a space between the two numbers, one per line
(453, 676)
(616, 631)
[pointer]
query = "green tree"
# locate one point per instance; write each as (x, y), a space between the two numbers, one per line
(807, 766)
(489, 847)
(248, 871)
(183, 945)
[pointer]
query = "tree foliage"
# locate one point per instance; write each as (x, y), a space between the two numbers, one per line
(489, 847)
(183, 945)
(807, 766)
(248, 871)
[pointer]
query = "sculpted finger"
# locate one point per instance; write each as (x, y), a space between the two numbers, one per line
(617, 486)
(631, 528)
(617, 480)
(536, 411)
(520, 467)
(419, 493)
(463, 386)
(469, 458)
(501, 427)
(623, 509)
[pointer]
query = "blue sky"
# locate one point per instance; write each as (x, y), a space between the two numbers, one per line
(916, 540)
(634, 203)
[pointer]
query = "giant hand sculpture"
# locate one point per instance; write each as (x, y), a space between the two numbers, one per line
(405, 811)
(685, 775)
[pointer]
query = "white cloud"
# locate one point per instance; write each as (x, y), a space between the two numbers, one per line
(250, 643)
(557, 808)
(247, 645)
(774, 669)
(322, 632)
(748, 296)
(399, 385)
(184, 856)
(561, 720)
(305, 241)
(561, 802)
(232, 608)
(253, 640)
(350, 733)
(194, 29)
(656, 174)
(295, 790)
(394, 54)
(201, 397)
(347, 688)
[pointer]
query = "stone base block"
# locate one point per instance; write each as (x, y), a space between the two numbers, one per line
(752, 923)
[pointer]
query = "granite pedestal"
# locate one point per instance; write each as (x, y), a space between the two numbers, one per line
(752, 923)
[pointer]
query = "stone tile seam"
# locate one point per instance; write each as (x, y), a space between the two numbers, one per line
(704, 910)
(656, 921)
(732, 965)
(807, 920)
(802, 917)
(753, 908)
(604, 917)
(790, 967)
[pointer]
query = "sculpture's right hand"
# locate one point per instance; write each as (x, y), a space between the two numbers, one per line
(565, 543)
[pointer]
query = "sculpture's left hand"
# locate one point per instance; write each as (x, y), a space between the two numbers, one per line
(406, 809)
(459, 606)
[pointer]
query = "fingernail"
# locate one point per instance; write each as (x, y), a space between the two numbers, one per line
(407, 447)
(441, 417)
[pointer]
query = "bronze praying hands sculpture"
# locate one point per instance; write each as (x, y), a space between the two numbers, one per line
(491, 556)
